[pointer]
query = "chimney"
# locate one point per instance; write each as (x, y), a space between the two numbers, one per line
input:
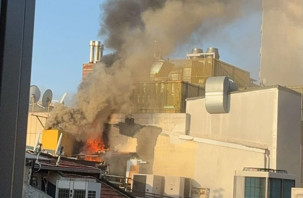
(91, 51)
(96, 51)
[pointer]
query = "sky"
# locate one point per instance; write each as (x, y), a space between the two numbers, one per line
(63, 30)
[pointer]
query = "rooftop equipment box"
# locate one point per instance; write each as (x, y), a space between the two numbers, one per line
(50, 140)
(177, 187)
(147, 185)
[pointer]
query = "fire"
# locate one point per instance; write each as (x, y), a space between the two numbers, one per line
(94, 146)
(95, 158)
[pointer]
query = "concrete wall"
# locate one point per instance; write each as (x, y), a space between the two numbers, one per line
(267, 118)
(289, 134)
(209, 148)
(30, 192)
(211, 165)
(252, 118)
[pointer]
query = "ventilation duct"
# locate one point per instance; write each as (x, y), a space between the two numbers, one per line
(96, 51)
(217, 91)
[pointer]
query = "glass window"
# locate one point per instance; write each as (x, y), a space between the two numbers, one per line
(254, 187)
(287, 185)
(275, 188)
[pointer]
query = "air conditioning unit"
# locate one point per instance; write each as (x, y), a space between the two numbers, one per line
(177, 187)
(147, 185)
(80, 188)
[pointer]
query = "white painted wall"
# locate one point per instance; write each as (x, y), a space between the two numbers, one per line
(213, 146)
(289, 134)
(252, 118)
(266, 118)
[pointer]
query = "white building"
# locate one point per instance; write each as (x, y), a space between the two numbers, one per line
(262, 129)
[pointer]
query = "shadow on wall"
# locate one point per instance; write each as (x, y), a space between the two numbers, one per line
(146, 140)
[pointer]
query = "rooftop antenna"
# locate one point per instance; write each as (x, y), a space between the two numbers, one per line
(63, 98)
(47, 98)
(34, 95)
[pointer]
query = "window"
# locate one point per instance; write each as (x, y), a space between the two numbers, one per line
(275, 188)
(79, 193)
(91, 194)
(254, 187)
(63, 193)
(287, 185)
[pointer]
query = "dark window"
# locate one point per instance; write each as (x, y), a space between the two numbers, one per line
(63, 193)
(91, 194)
(287, 185)
(254, 187)
(275, 188)
(79, 193)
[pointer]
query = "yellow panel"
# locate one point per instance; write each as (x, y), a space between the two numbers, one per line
(50, 139)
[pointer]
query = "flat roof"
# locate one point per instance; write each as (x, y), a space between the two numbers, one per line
(251, 89)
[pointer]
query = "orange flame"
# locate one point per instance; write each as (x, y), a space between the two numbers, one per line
(93, 158)
(94, 146)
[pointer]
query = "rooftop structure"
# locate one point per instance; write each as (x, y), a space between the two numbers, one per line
(196, 68)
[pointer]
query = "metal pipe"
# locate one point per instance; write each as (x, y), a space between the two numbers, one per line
(91, 51)
(96, 51)
(58, 144)
(60, 153)
(37, 141)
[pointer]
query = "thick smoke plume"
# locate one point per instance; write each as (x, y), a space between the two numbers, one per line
(282, 43)
(132, 28)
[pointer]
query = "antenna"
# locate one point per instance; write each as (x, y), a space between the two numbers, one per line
(63, 98)
(47, 98)
(34, 94)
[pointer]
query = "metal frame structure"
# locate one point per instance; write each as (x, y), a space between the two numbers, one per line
(16, 40)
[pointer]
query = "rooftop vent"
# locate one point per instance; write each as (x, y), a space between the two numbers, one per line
(217, 91)
(214, 51)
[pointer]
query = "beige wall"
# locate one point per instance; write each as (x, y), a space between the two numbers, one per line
(209, 165)
(174, 157)
(34, 126)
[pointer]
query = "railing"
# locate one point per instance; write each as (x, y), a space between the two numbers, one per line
(264, 170)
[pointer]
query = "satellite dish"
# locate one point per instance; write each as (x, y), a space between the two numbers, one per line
(34, 94)
(47, 98)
